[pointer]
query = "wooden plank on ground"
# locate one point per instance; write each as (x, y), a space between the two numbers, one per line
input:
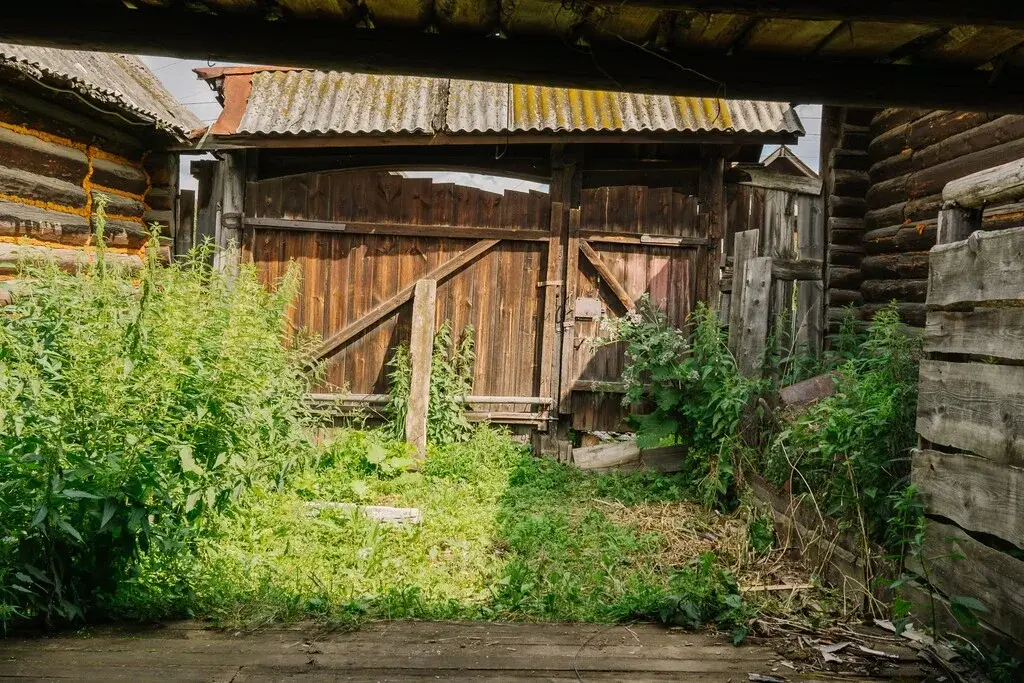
(747, 245)
(381, 513)
(390, 305)
(421, 345)
(984, 267)
(997, 332)
(977, 494)
(607, 276)
(753, 313)
(605, 455)
(976, 407)
(957, 564)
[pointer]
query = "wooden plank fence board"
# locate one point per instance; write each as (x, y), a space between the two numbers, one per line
(958, 565)
(978, 494)
(747, 245)
(754, 313)
(996, 332)
(985, 267)
(810, 310)
(976, 407)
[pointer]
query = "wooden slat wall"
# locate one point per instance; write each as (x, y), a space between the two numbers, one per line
(968, 469)
(344, 276)
(666, 274)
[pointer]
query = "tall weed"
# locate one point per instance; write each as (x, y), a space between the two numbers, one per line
(131, 406)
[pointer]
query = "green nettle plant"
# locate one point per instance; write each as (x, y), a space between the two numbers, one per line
(451, 379)
(695, 392)
(133, 405)
(852, 450)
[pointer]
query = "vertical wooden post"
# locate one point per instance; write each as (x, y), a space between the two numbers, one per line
(747, 244)
(810, 311)
(754, 306)
(779, 226)
(421, 349)
(957, 223)
(185, 235)
(711, 221)
(572, 261)
(232, 171)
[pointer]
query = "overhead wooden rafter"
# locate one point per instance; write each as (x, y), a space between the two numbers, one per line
(796, 74)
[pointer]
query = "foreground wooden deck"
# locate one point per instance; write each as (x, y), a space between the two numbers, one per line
(407, 651)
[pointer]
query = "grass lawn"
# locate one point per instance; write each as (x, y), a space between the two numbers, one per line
(504, 536)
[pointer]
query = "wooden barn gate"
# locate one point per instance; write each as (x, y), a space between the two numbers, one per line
(969, 469)
(531, 275)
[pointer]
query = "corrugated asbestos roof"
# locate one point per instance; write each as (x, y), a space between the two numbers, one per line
(112, 82)
(302, 102)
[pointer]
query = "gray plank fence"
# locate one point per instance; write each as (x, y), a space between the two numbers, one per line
(785, 250)
(970, 417)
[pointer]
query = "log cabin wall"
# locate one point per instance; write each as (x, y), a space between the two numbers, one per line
(845, 140)
(54, 161)
(913, 154)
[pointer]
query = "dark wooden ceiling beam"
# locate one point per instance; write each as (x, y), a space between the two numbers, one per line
(941, 12)
(617, 66)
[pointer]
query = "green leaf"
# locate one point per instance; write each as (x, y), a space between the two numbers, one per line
(193, 498)
(63, 524)
(968, 602)
(73, 493)
(40, 515)
(188, 463)
(376, 454)
(359, 488)
(108, 511)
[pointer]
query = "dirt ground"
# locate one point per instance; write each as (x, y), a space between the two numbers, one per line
(479, 651)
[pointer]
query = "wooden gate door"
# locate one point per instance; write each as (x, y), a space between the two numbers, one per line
(629, 241)
(363, 239)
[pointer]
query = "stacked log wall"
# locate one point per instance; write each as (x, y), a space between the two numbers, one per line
(914, 153)
(845, 140)
(54, 162)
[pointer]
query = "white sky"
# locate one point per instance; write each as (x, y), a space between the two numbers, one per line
(177, 76)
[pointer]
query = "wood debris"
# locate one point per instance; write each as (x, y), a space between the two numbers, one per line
(381, 513)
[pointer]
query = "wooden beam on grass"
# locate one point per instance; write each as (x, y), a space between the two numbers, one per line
(421, 347)
(440, 273)
(607, 276)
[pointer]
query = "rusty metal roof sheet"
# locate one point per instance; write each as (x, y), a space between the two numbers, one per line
(303, 102)
(111, 82)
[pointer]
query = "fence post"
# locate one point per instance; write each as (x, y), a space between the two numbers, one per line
(957, 223)
(754, 314)
(421, 348)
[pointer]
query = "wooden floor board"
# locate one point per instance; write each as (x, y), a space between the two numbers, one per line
(404, 651)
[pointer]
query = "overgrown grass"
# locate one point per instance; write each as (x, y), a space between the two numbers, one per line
(504, 536)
